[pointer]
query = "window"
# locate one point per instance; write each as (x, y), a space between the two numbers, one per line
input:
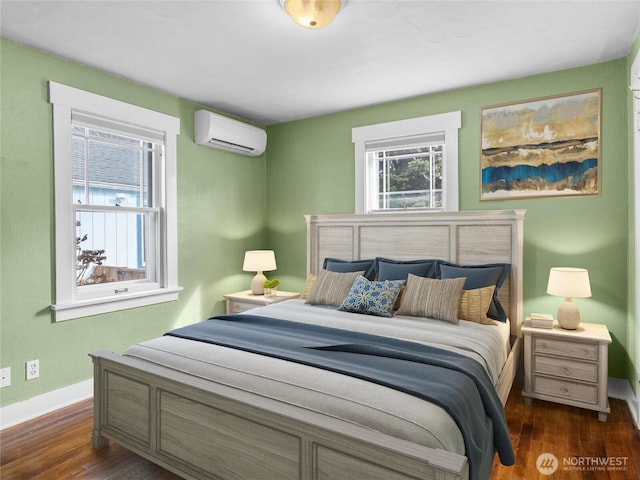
(115, 204)
(409, 164)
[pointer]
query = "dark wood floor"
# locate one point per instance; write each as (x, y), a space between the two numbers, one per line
(58, 446)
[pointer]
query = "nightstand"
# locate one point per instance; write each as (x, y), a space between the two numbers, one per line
(567, 366)
(243, 301)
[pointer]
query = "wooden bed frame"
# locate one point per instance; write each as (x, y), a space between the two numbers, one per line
(200, 429)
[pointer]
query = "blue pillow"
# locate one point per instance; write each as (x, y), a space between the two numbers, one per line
(478, 276)
(387, 269)
(345, 266)
(372, 298)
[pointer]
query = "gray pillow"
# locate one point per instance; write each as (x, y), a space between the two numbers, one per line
(331, 288)
(428, 297)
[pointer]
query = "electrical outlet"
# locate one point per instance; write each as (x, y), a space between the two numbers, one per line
(33, 369)
(5, 377)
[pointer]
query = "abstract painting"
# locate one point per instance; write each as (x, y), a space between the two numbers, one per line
(544, 147)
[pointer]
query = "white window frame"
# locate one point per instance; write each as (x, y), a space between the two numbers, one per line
(446, 124)
(68, 304)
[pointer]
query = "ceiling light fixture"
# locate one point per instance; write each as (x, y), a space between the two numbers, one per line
(312, 13)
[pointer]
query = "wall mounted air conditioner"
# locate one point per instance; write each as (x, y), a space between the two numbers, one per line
(216, 131)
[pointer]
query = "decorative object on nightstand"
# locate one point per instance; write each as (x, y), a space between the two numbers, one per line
(569, 283)
(567, 366)
(542, 320)
(242, 301)
(271, 287)
(259, 261)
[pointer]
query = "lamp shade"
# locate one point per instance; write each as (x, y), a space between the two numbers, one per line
(312, 13)
(259, 261)
(569, 282)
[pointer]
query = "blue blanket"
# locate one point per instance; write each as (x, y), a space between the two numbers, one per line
(455, 382)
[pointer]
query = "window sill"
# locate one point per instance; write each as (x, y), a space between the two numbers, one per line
(69, 311)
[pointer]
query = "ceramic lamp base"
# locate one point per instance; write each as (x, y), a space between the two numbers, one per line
(568, 315)
(257, 284)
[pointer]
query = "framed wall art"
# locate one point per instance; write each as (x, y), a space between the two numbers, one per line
(544, 147)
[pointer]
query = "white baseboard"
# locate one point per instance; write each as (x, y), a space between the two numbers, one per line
(47, 402)
(620, 388)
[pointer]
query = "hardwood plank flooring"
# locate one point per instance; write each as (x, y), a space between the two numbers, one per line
(575, 437)
(58, 446)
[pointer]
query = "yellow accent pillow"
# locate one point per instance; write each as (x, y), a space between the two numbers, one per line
(474, 305)
(308, 285)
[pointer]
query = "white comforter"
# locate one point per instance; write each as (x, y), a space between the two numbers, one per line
(358, 401)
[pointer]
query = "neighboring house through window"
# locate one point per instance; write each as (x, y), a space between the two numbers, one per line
(408, 164)
(115, 204)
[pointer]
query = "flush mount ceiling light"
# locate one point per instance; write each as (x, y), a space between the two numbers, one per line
(312, 13)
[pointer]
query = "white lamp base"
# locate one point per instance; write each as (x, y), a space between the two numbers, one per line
(257, 284)
(568, 315)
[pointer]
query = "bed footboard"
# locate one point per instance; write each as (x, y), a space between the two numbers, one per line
(199, 429)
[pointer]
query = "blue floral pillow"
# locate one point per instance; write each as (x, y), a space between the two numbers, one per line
(372, 298)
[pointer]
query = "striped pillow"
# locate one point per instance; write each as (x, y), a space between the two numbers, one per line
(474, 305)
(427, 297)
(331, 288)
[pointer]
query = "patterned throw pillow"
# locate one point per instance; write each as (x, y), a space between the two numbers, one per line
(474, 305)
(372, 298)
(427, 297)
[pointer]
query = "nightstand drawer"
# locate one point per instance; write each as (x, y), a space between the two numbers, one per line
(587, 351)
(569, 390)
(239, 307)
(563, 367)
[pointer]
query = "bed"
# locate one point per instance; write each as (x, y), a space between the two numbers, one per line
(228, 413)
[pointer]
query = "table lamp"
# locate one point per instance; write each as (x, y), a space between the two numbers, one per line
(569, 283)
(259, 261)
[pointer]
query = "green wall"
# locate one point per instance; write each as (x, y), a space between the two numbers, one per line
(221, 214)
(310, 170)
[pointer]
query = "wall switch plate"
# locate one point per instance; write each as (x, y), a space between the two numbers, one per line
(5, 377)
(32, 369)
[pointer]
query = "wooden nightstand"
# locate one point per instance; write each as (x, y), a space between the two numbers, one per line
(243, 301)
(567, 366)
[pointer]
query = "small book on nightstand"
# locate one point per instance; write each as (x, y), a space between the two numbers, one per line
(541, 320)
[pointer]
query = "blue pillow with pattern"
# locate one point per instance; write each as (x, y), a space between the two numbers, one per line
(372, 297)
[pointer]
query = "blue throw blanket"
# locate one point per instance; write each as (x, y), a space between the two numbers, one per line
(457, 383)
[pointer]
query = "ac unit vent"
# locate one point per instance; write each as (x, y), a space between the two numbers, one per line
(217, 131)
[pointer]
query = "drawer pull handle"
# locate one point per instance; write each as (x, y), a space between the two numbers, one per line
(564, 390)
(543, 346)
(566, 370)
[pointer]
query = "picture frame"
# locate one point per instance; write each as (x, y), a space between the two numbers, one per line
(542, 147)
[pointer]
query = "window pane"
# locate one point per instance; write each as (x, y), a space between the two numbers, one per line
(410, 177)
(111, 169)
(113, 247)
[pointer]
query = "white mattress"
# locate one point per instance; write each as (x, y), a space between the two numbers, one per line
(358, 401)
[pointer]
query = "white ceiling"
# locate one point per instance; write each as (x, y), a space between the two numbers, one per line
(248, 58)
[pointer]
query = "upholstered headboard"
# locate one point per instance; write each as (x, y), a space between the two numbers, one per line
(467, 238)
